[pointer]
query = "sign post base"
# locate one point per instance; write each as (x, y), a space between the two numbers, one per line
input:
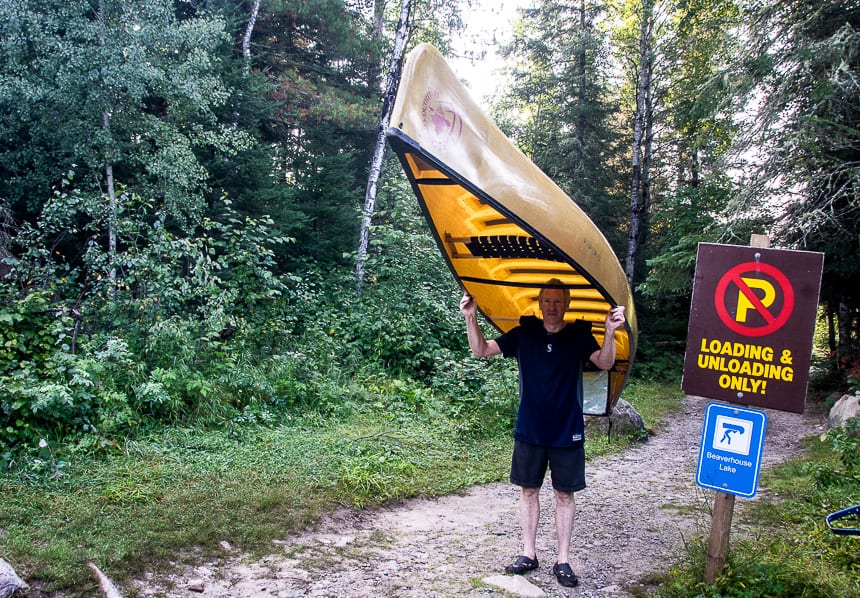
(718, 542)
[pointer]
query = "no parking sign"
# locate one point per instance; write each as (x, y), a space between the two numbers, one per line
(752, 319)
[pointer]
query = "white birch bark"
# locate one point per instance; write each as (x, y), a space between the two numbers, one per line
(391, 84)
(641, 125)
(111, 192)
(246, 38)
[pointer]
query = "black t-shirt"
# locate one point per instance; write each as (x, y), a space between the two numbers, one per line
(550, 364)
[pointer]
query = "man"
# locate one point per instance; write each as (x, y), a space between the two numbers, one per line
(550, 354)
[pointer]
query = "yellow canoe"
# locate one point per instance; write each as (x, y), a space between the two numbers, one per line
(503, 226)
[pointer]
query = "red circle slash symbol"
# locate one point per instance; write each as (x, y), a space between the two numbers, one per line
(735, 278)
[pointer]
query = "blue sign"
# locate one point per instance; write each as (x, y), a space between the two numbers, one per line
(731, 449)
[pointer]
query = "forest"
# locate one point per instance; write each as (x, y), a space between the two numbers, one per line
(184, 186)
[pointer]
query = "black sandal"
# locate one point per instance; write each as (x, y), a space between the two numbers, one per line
(523, 564)
(565, 575)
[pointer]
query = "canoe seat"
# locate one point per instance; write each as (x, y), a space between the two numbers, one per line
(511, 246)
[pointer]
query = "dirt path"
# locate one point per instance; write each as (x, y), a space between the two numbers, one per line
(631, 520)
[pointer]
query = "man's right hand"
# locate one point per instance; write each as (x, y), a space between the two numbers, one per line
(468, 306)
(479, 346)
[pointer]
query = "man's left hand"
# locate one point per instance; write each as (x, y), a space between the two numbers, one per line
(615, 318)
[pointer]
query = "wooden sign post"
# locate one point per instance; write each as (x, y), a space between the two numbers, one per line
(749, 342)
(718, 542)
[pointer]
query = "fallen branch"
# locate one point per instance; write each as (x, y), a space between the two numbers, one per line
(108, 588)
(9, 580)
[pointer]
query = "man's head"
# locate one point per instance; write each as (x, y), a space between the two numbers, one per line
(554, 300)
(555, 284)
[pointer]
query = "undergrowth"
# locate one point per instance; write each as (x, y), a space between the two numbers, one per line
(790, 551)
(178, 491)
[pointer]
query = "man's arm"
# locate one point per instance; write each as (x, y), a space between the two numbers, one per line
(479, 346)
(604, 358)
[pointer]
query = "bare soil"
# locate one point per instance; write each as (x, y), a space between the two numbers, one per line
(634, 518)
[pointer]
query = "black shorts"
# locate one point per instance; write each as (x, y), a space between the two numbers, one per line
(566, 464)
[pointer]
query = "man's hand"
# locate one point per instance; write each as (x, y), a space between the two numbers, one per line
(468, 306)
(605, 357)
(615, 319)
(479, 346)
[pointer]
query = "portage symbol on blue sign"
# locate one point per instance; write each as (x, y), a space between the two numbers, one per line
(731, 449)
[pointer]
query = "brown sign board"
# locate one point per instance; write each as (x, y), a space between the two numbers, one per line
(752, 318)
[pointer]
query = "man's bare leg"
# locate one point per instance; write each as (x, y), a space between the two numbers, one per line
(565, 511)
(529, 517)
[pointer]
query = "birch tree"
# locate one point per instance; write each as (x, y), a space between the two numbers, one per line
(110, 190)
(246, 37)
(641, 151)
(391, 84)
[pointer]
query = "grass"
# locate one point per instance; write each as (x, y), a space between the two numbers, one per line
(193, 488)
(155, 497)
(176, 493)
(781, 546)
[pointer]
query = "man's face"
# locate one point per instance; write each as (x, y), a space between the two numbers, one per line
(553, 305)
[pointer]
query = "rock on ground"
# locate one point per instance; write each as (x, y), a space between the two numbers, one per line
(844, 409)
(9, 580)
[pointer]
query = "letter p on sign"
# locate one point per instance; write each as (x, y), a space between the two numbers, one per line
(744, 304)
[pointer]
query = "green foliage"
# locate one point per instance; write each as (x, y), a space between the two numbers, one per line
(801, 68)
(560, 112)
(98, 87)
(326, 99)
(196, 327)
(30, 330)
(103, 343)
(684, 220)
(40, 386)
(844, 443)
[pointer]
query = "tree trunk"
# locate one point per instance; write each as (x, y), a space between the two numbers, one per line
(111, 193)
(395, 64)
(638, 192)
(7, 226)
(843, 319)
(374, 72)
(647, 155)
(246, 39)
(581, 68)
(112, 209)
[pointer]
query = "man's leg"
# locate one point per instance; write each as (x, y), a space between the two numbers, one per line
(529, 517)
(565, 511)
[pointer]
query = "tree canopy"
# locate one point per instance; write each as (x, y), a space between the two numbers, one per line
(182, 182)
